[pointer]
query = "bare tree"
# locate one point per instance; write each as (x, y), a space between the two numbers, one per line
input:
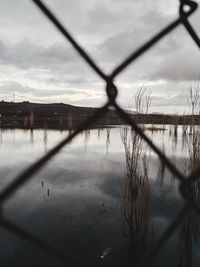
(194, 97)
(193, 100)
(135, 185)
(189, 229)
(142, 102)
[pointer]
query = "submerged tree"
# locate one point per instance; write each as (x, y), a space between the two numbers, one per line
(193, 100)
(190, 227)
(194, 97)
(135, 185)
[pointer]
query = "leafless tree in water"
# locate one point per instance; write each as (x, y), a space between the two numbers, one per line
(135, 185)
(142, 101)
(194, 97)
(193, 100)
(190, 228)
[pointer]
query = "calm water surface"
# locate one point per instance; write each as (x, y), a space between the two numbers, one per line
(109, 198)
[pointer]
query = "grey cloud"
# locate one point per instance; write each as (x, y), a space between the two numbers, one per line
(137, 31)
(27, 55)
(117, 47)
(155, 60)
(102, 15)
(172, 58)
(111, 20)
(182, 66)
(120, 15)
(118, 44)
(174, 100)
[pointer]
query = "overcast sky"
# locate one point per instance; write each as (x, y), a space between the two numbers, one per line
(37, 64)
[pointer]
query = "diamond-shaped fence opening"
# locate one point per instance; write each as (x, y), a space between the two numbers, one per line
(186, 9)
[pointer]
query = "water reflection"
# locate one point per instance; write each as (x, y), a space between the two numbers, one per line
(107, 139)
(79, 193)
(1, 136)
(161, 169)
(99, 133)
(45, 139)
(135, 194)
(184, 135)
(86, 139)
(173, 134)
(32, 136)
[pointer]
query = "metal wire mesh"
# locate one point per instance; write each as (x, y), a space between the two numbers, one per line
(185, 182)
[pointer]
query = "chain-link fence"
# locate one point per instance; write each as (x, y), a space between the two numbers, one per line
(186, 9)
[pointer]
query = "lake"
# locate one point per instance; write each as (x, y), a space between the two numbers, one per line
(104, 200)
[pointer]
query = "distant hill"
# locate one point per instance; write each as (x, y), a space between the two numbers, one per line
(64, 116)
(24, 109)
(55, 115)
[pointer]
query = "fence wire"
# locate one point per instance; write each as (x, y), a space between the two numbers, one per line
(186, 9)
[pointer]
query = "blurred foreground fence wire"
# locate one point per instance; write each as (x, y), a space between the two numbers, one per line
(186, 9)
